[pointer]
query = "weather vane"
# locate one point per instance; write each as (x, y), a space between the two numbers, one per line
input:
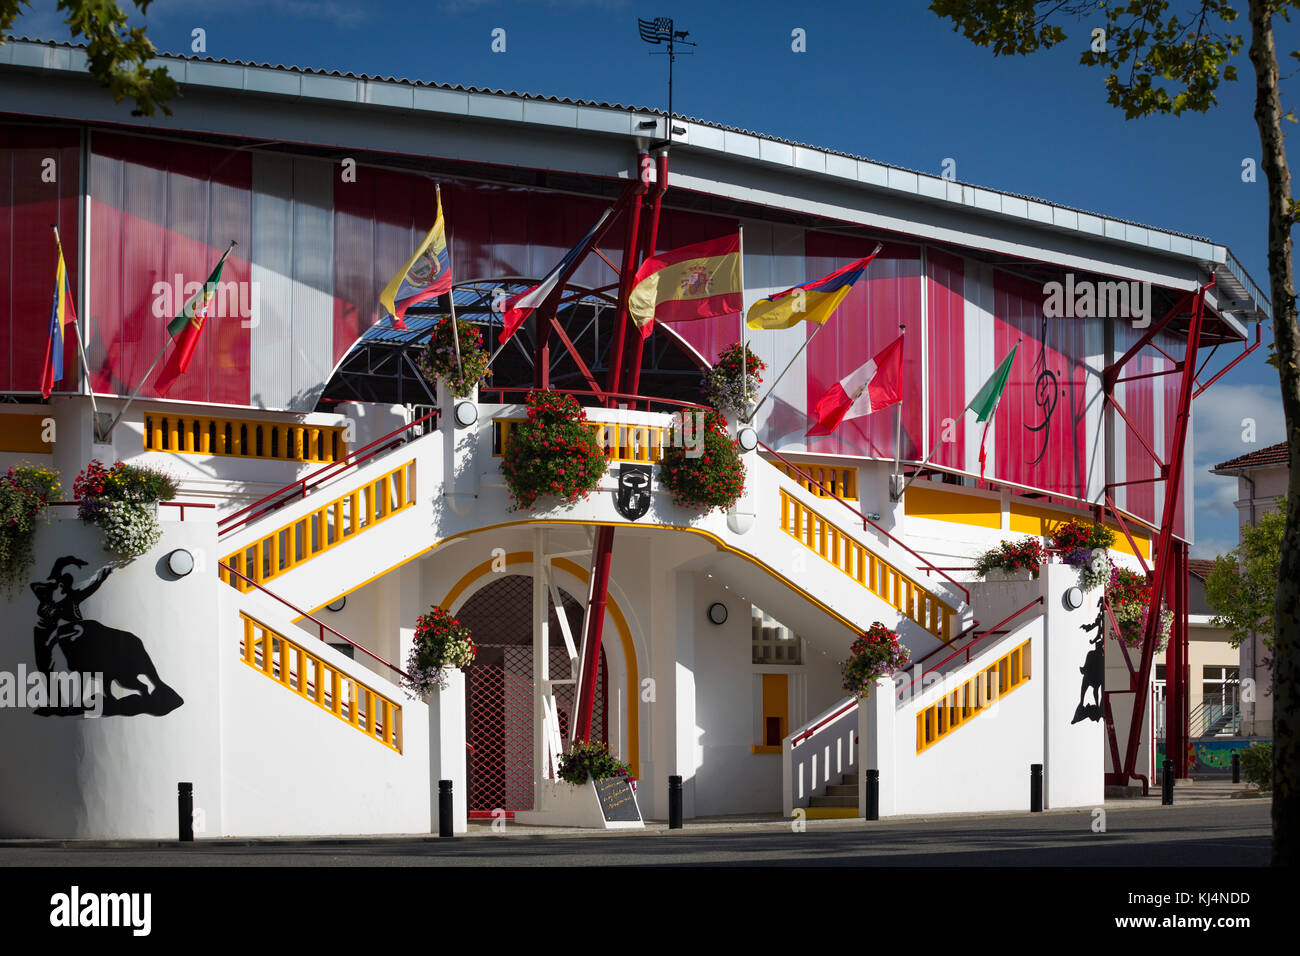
(660, 30)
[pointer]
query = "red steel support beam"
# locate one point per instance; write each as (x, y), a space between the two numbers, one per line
(631, 236)
(1111, 372)
(649, 245)
(593, 626)
(1165, 543)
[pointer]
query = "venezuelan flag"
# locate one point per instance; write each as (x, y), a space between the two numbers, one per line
(426, 275)
(812, 302)
(62, 314)
(698, 281)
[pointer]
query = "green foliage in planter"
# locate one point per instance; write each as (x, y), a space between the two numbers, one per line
(438, 360)
(592, 761)
(123, 502)
(24, 493)
(707, 477)
(732, 384)
(1257, 765)
(876, 654)
(552, 453)
(441, 643)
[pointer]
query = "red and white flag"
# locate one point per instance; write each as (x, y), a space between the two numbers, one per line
(876, 385)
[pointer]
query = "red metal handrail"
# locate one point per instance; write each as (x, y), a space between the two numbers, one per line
(319, 623)
(283, 496)
(648, 399)
(169, 504)
(822, 723)
(922, 563)
(992, 631)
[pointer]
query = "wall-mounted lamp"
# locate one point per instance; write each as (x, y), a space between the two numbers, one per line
(338, 605)
(466, 414)
(747, 438)
(718, 613)
(180, 562)
(1072, 598)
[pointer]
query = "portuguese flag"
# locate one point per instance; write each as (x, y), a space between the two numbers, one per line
(185, 329)
(985, 402)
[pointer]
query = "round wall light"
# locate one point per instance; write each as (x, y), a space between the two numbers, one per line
(180, 562)
(747, 438)
(718, 613)
(337, 606)
(466, 414)
(1073, 598)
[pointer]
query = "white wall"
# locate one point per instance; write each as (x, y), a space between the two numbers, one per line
(115, 777)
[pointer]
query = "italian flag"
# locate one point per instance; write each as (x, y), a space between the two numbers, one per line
(986, 400)
(875, 385)
(185, 329)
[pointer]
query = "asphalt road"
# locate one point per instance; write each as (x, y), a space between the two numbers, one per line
(1229, 834)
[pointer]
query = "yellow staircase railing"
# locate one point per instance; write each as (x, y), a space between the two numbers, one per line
(828, 481)
(621, 441)
(243, 438)
(334, 522)
(294, 667)
(972, 698)
(875, 574)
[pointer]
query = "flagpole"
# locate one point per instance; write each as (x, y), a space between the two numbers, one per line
(76, 329)
(744, 328)
(806, 343)
(144, 378)
(898, 425)
(451, 294)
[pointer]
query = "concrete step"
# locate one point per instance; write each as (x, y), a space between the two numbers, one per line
(835, 801)
(849, 779)
(842, 790)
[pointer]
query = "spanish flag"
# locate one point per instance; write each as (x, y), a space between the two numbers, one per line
(426, 275)
(62, 314)
(698, 281)
(812, 302)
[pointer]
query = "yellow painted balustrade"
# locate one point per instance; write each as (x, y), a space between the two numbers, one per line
(873, 573)
(621, 441)
(840, 482)
(295, 668)
(243, 438)
(331, 524)
(972, 698)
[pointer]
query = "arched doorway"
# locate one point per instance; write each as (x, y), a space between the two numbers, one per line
(499, 691)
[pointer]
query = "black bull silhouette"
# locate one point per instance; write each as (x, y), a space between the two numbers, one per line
(1093, 669)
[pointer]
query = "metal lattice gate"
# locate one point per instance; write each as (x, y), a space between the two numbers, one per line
(499, 692)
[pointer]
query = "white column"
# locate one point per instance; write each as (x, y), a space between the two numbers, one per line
(878, 747)
(541, 661)
(447, 750)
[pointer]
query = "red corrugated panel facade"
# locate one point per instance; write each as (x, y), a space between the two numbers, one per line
(946, 371)
(159, 210)
(39, 186)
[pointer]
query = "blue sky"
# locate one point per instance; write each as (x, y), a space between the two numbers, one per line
(887, 80)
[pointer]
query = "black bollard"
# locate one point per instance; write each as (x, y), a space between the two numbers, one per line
(873, 794)
(1167, 783)
(1035, 788)
(185, 811)
(674, 802)
(1236, 767)
(446, 827)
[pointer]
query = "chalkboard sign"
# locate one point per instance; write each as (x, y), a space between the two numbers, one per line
(617, 800)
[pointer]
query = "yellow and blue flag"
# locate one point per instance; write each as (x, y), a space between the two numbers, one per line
(62, 314)
(426, 275)
(811, 302)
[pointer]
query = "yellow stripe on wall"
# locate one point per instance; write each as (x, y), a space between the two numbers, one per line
(940, 505)
(23, 433)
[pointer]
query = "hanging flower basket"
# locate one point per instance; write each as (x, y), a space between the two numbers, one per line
(123, 502)
(553, 453)
(1129, 595)
(1075, 535)
(24, 493)
(438, 360)
(1027, 554)
(590, 761)
(442, 643)
(732, 384)
(876, 654)
(709, 475)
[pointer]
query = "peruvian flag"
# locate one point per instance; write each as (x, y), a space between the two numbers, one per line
(873, 386)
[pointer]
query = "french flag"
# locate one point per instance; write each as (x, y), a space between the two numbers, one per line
(518, 308)
(868, 389)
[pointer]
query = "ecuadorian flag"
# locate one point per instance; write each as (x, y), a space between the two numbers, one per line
(813, 301)
(62, 314)
(426, 275)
